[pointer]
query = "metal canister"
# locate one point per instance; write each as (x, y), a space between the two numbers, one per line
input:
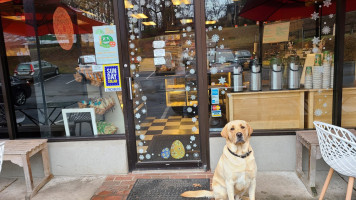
(317, 61)
(237, 78)
(276, 74)
(256, 81)
(293, 73)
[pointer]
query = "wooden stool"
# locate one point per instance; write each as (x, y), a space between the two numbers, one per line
(19, 153)
(309, 139)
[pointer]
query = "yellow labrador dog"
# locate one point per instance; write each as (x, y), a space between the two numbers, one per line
(236, 171)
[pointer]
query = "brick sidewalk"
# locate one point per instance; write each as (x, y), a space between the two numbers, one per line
(117, 187)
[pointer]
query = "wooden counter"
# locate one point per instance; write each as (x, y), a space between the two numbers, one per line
(320, 107)
(268, 109)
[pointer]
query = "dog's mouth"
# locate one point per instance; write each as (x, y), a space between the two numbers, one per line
(240, 140)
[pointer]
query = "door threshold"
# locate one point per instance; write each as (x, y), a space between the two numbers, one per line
(176, 171)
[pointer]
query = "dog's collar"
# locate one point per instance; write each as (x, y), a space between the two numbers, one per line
(242, 156)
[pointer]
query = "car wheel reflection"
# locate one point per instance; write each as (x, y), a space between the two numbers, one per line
(20, 98)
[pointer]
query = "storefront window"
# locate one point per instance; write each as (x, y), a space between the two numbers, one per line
(348, 97)
(164, 83)
(53, 51)
(3, 122)
(270, 63)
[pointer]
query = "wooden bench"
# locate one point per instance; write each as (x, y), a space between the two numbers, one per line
(308, 139)
(19, 152)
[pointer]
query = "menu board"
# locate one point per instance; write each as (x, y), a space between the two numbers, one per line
(274, 33)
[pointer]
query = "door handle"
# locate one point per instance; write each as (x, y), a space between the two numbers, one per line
(129, 85)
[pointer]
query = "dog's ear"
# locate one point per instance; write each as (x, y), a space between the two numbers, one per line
(224, 132)
(250, 130)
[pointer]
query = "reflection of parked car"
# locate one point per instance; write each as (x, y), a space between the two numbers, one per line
(243, 57)
(31, 70)
(21, 91)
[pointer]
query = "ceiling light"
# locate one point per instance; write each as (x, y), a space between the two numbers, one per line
(186, 21)
(210, 22)
(139, 16)
(128, 4)
(150, 23)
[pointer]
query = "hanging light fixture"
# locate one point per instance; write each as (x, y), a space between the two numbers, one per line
(150, 23)
(139, 16)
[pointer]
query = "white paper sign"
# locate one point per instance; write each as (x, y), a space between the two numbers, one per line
(274, 33)
(159, 52)
(89, 59)
(97, 68)
(159, 44)
(159, 61)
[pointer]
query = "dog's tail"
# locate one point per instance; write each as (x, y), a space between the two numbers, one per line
(198, 193)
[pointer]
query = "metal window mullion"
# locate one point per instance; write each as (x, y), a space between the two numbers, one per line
(122, 33)
(6, 88)
(202, 77)
(338, 61)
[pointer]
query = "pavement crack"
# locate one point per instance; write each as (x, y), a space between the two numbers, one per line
(6, 186)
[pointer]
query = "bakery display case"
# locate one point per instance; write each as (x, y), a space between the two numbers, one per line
(178, 92)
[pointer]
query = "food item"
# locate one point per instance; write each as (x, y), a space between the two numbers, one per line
(105, 128)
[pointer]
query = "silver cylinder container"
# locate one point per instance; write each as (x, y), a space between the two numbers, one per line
(276, 77)
(255, 82)
(237, 78)
(293, 77)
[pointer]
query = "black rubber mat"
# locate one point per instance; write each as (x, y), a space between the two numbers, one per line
(166, 189)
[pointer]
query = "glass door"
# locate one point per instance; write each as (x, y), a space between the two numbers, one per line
(163, 80)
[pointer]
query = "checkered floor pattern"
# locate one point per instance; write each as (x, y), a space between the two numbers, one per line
(174, 125)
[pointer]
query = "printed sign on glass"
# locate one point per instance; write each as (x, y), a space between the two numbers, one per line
(111, 74)
(105, 43)
(215, 111)
(214, 95)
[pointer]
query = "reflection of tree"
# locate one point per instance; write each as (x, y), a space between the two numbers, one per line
(216, 9)
(166, 15)
(99, 10)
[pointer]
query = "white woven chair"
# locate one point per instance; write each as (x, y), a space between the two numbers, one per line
(338, 149)
(2, 147)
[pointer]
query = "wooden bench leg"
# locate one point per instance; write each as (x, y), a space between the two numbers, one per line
(28, 175)
(312, 169)
(45, 160)
(47, 171)
(299, 157)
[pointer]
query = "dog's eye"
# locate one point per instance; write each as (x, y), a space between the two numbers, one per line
(232, 128)
(242, 127)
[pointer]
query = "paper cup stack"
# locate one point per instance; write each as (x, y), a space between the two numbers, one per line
(326, 75)
(317, 77)
(332, 77)
(308, 78)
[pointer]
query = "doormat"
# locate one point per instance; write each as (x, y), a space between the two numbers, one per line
(161, 147)
(164, 189)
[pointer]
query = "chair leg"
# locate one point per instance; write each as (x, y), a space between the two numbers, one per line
(350, 186)
(326, 183)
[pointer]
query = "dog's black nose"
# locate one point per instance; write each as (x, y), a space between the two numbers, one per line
(239, 134)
